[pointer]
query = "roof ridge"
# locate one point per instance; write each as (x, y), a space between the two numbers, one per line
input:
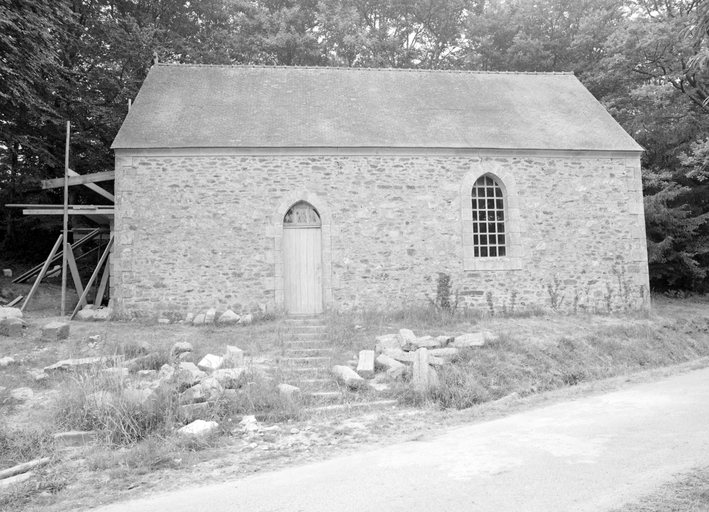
(341, 68)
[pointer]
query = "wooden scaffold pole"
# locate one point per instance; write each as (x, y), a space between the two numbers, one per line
(66, 247)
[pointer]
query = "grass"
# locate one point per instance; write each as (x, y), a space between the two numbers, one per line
(687, 493)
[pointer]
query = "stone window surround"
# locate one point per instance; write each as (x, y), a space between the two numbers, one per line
(505, 178)
(323, 209)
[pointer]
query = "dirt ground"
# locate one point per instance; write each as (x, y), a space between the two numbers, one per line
(102, 476)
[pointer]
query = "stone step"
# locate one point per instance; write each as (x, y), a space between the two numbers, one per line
(326, 396)
(307, 344)
(307, 328)
(306, 361)
(308, 352)
(304, 320)
(308, 336)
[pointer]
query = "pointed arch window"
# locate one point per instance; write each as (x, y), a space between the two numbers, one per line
(489, 220)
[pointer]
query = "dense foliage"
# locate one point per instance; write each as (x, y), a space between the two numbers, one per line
(81, 60)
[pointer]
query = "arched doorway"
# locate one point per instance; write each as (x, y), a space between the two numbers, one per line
(302, 260)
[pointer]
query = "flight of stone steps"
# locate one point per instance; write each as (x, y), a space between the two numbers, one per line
(307, 358)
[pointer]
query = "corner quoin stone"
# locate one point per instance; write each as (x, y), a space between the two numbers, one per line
(55, 331)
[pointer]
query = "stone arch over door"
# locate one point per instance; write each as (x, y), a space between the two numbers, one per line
(323, 210)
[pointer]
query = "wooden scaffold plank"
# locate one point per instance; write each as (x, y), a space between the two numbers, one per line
(103, 259)
(40, 276)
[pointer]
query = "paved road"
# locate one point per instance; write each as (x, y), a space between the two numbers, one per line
(590, 454)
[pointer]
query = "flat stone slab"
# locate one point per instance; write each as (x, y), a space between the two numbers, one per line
(199, 428)
(75, 438)
(473, 339)
(75, 364)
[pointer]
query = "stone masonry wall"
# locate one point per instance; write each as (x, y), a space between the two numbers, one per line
(198, 232)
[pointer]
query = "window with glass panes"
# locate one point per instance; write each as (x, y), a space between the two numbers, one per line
(489, 236)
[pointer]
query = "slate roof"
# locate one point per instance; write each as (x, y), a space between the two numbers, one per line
(189, 106)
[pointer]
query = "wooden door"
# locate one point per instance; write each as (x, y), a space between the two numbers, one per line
(302, 260)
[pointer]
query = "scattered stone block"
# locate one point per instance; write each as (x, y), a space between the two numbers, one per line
(6, 272)
(180, 347)
(379, 386)
(166, 372)
(210, 315)
(11, 327)
(393, 367)
(75, 364)
(474, 339)
(348, 376)
(228, 317)
(96, 338)
(163, 321)
(365, 366)
(246, 319)
(211, 388)
(195, 372)
(444, 341)
(10, 313)
(400, 355)
(447, 353)
(74, 438)
(288, 391)
(116, 373)
(229, 378)
(422, 342)
(422, 371)
(191, 412)
(249, 423)
(55, 331)
(22, 394)
(233, 357)
(405, 337)
(5, 482)
(210, 362)
(193, 394)
(6, 361)
(37, 375)
(136, 397)
(92, 314)
(199, 428)
(189, 318)
(199, 319)
(386, 341)
(151, 373)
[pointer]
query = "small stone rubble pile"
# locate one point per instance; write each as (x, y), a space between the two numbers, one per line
(397, 355)
(213, 317)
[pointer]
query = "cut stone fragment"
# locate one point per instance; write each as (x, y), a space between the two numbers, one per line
(422, 371)
(400, 355)
(246, 319)
(229, 378)
(180, 347)
(405, 337)
(10, 313)
(210, 316)
(413, 345)
(289, 391)
(233, 357)
(75, 364)
(199, 428)
(348, 376)
(393, 367)
(210, 362)
(447, 354)
(365, 366)
(55, 331)
(228, 317)
(75, 438)
(11, 326)
(22, 394)
(474, 339)
(387, 341)
(199, 319)
(211, 388)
